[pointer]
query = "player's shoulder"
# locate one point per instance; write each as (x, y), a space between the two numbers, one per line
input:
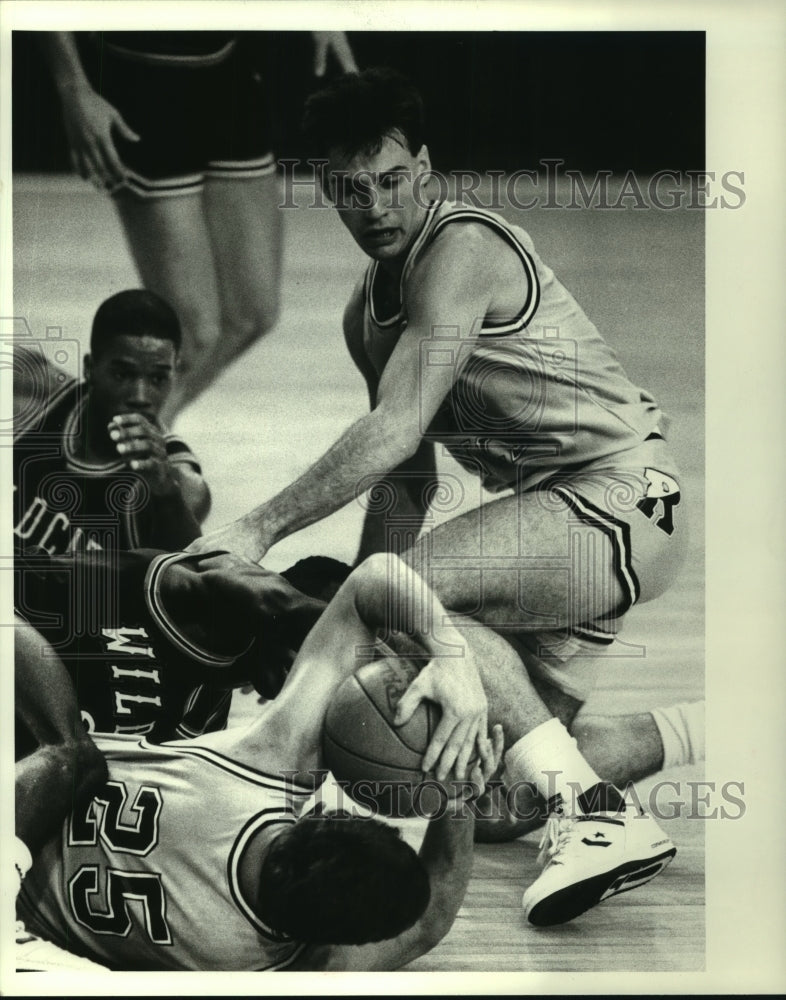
(464, 241)
(38, 385)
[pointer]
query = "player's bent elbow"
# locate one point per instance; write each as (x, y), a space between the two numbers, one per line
(202, 501)
(92, 770)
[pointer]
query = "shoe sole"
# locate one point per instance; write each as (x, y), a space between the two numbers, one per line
(573, 900)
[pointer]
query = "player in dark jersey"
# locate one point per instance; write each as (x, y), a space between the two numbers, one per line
(155, 641)
(176, 126)
(93, 465)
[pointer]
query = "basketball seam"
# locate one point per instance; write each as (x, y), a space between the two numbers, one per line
(392, 729)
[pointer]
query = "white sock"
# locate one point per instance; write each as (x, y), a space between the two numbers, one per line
(681, 729)
(23, 862)
(548, 757)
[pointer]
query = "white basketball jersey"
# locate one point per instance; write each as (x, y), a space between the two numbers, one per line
(540, 393)
(147, 877)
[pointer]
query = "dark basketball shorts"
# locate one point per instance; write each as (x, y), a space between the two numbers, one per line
(641, 510)
(194, 121)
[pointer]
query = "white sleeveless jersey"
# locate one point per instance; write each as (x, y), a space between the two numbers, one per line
(147, 876)
(540, 394)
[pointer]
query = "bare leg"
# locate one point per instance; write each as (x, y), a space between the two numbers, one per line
(170, 243)
(621, 748)
(245, 225)
(521, 562)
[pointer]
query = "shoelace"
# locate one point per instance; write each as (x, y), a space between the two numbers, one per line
(556, 835)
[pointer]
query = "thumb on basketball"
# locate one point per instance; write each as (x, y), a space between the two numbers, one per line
(409, 701)
(125, 130)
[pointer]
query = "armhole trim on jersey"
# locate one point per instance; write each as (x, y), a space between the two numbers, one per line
(528, 310)
(253, 826)
(217, 709)
(264, 779)
(153, 600)
(414, 250)
(182, 454)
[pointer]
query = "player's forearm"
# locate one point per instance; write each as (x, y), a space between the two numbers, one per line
(64, 62)
(194, 490)
(172, 524)
(397, 506)
(446, 853)
(371, 447)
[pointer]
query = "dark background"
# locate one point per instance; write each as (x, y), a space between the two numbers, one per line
(495, 100)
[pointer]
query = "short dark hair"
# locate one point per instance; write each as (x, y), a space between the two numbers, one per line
(135, 312)
(356, 111)
(340, 879)
(318, 576)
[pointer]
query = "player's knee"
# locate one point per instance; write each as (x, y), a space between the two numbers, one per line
(244, 330)
(338, 879)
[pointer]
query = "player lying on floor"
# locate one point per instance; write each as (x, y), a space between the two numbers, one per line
(263, 886)
(258, 884)
(155, 641)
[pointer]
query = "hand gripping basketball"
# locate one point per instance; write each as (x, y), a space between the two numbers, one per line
(380, 760)
(453, 683)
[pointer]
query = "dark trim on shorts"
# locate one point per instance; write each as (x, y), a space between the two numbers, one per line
(598, 637)
(618, 533)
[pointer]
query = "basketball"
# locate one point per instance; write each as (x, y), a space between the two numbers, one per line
(381, 762)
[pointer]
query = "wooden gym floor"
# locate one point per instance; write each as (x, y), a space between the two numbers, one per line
(639, 276)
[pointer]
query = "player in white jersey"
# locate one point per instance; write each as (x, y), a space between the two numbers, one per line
(467, 339)
(195, 854)
(127, 885)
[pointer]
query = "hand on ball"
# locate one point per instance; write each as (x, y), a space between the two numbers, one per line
(454, 684)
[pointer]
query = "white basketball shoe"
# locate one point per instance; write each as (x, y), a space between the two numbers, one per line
(34, 954)
(590, 856)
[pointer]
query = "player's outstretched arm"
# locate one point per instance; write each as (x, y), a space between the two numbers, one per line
(452, 292)
(446, 854)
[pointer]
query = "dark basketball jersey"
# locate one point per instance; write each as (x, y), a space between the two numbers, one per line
(134, 672)
(63, 503)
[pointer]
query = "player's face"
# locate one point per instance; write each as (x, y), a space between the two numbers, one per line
(381, 197)
(131, 375)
